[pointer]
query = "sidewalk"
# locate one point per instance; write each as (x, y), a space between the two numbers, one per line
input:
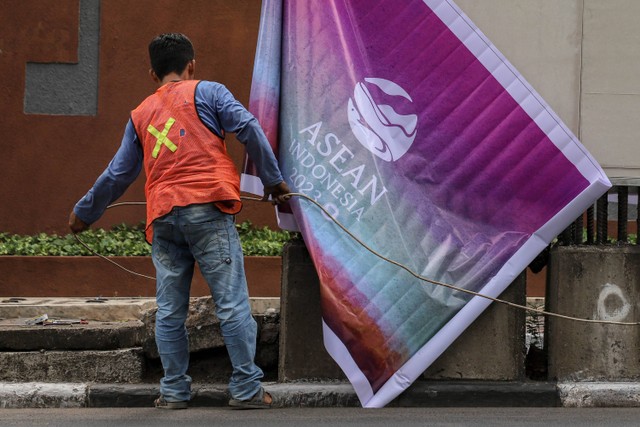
(112, 352)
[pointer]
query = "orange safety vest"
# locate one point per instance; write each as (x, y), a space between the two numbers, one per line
(185, 162)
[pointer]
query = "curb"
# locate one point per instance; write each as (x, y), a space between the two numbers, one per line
(286, 395)
(328, 395)
(480, 394)
(598, 395)
(215, 395)
(43, 395)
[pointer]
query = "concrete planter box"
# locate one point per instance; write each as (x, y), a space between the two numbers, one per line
(593, 282)
(25, 276)
(492, 349)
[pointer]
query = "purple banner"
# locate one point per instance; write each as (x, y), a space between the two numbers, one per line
(406, 123)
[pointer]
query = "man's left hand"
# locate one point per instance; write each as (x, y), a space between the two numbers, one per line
(76, 224)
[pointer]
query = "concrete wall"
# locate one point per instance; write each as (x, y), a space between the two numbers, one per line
(71, 72)
(610, 86)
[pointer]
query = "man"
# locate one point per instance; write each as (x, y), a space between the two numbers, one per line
(192, 192)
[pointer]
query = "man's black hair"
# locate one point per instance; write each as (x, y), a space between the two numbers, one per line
(170, 52)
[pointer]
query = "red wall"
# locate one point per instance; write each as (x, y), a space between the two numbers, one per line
(48, 162)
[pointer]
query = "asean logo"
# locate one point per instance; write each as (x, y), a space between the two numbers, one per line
(375, 122)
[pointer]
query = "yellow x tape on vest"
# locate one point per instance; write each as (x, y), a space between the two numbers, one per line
(162, 138)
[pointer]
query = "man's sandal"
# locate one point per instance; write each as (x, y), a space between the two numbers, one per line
(161, 403)
(260, 400)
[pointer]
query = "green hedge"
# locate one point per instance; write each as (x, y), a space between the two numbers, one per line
(124, 240)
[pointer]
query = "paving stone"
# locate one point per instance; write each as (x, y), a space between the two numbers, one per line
(16, 336)
(202, 326)
(111, 366)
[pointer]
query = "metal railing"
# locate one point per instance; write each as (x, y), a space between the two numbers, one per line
(592, 227)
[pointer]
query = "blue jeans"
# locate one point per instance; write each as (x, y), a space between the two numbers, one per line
(204, 234)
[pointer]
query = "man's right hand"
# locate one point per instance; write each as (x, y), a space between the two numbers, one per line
(277, 192)
(76, 224)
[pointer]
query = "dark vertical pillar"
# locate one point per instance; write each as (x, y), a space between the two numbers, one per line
(302, 352)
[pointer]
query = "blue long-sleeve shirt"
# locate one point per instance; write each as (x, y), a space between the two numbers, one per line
(220, 112)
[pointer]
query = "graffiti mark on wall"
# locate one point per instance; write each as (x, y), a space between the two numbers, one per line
(612, 303)
(68, 89)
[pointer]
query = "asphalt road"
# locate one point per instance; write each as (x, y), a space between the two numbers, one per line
(388, 417)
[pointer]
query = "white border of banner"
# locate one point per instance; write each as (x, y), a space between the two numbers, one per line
(251, 184)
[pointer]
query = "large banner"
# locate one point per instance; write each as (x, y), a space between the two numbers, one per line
(409, 126)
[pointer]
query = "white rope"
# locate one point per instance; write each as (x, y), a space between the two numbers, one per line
(397, 264)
